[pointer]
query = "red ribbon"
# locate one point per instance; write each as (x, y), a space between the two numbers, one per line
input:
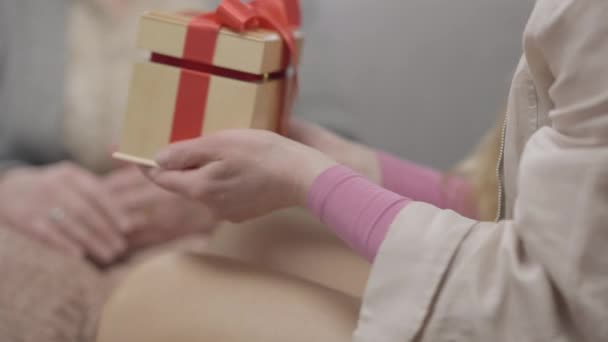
(282, 16)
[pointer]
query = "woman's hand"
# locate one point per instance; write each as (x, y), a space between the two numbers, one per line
(240, 174)
(66, 207)
(157, 215)
(358, 157)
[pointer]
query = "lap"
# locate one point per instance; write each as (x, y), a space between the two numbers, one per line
(187, 297)
(295, 243)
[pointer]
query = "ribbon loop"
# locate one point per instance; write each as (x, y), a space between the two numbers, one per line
(236, 15)
(282, 16)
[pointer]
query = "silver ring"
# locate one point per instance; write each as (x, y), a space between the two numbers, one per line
(57, 214)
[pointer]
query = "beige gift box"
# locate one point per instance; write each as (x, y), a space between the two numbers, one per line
(196, 84)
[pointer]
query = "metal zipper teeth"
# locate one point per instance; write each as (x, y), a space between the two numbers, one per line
(501, 156)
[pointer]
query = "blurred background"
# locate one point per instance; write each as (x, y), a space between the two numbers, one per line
(420, 78)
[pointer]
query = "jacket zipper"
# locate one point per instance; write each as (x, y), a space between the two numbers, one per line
(499, 167)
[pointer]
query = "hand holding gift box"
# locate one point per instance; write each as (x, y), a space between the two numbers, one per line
(212, 71)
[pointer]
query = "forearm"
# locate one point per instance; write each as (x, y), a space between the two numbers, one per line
(425, 184)
(409, 179)
(361, 212)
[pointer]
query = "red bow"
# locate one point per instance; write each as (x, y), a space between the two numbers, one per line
(282, 16)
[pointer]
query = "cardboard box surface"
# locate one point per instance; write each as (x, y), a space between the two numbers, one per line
(256, 52)
(156, 88)
(230, 104)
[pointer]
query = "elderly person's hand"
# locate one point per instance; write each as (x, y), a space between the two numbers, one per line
(358, 157)
(66, 207)
(241, 174)
(157, 215)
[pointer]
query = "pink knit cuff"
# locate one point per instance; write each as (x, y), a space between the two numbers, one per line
(357, 210)
(425, 184)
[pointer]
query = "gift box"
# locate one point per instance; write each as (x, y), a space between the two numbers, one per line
(207, 72)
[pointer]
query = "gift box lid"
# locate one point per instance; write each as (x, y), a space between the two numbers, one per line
(259, 51)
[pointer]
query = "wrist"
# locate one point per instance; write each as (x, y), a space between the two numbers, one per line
(310, 169)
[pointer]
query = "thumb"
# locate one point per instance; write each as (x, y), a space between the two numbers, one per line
(184, 155)
(183, 183)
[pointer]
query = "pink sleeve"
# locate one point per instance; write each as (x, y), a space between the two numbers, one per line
(361, 212)
(425, 184)
(357, 210)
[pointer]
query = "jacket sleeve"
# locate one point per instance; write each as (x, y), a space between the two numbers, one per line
(541, 276)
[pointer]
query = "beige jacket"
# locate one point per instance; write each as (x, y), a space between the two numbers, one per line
(541, 274)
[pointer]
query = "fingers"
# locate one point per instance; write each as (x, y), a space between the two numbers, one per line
(84, 236)
(112, 221)
(186, 155)
(103, 241)
(125, 180)
(185, 183)
(145, 198)
(89, 215)
(146, 238)
(139, 221)
(79, 223)
(141, 204)
(204, 186)
(43, 231)
(137, 195)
